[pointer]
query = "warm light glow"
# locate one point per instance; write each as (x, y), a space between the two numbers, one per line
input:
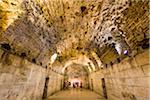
(74, 81)
(118, 48)
(89, 69)
(53, 58)
(102, 66)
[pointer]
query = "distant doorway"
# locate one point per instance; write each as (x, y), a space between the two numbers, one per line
(45, 88)
(104, 88)
(92, 84)
(61, 85)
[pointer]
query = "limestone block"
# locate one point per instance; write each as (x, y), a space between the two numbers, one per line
(143, 59)
(21, 80)
(146, 69)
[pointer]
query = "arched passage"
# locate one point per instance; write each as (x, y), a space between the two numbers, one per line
(41, 41)
(83, 60)
(77, 75)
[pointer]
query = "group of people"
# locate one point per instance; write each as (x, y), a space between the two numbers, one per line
(68, 84)
(77, 85)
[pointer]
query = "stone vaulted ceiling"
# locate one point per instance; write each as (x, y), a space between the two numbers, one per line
(36, 29)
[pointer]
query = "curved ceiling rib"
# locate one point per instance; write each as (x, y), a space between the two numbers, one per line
(97, 59)
(82, 60)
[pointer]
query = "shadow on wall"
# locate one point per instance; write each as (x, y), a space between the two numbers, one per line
(20, 79)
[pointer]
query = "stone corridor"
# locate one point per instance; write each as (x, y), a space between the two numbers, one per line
(74, 50)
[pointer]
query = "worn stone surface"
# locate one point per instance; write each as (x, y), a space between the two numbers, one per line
(55, 84)
(70, 28)
(20, 79)
(125, 80)
(105, 38)
(55, 79)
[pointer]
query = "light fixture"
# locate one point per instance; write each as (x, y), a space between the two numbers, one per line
(125, 52)
(118, 48)
(53, 58)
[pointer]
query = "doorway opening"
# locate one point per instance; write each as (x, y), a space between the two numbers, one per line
(104, 88)
(45, 88)
(92, 84)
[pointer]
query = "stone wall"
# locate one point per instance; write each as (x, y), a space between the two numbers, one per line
(127, 80)
(20, 79)
(55, 83)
